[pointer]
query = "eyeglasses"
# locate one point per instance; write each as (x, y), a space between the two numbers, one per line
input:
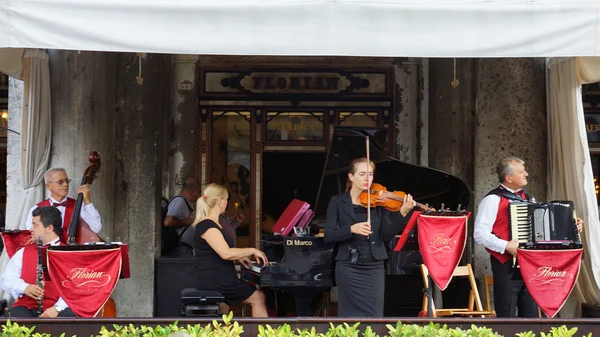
(62, 181)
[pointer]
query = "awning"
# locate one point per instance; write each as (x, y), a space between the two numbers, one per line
(418, 28)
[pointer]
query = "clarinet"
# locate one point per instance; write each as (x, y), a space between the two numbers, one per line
(40, 277)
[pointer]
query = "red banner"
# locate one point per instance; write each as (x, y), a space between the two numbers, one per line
(85, 279)
(15, 240)
(550, 276)
(442, 241)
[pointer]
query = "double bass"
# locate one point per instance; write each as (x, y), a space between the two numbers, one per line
(80, 232)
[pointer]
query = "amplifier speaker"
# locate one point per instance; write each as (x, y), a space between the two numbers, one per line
(172, 275)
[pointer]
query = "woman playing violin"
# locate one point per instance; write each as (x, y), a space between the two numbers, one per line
(359, 271)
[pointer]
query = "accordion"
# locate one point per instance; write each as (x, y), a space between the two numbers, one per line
(550, 225)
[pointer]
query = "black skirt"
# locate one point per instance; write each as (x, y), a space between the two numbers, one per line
(360, 288)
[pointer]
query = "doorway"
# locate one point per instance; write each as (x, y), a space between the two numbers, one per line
(288, 176)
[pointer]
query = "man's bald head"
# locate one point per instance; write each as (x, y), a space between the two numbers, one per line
(191, 183)
(191, 189)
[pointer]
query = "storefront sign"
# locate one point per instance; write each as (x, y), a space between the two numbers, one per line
(592, 127)
(294, 83)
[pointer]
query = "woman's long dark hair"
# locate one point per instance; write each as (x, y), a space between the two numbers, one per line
(353, 167)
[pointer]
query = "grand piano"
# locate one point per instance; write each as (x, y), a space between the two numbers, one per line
(304, 268)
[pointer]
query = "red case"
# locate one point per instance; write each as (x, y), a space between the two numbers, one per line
(290, 217)
(305, 219)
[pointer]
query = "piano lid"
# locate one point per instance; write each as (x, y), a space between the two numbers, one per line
(427, 185)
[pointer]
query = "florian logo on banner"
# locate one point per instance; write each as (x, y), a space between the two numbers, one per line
(442, 241)
(85, 278)
(550, 276)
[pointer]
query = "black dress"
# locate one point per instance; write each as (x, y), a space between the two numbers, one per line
(359, 270)
(215, 274)
(360, 279)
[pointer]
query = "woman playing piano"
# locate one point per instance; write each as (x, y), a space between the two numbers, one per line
(215, 255)
(359, 271)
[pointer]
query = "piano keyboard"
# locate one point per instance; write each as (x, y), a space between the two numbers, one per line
(257, 267)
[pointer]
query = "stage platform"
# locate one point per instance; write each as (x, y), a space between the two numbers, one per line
(506, 327)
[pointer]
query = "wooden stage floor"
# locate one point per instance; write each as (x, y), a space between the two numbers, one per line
(506, 327)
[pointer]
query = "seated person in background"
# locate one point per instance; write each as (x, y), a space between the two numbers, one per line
(229, 225)
(20, 276)
(215, 255)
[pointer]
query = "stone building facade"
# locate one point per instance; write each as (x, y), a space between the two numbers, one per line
(153, 118)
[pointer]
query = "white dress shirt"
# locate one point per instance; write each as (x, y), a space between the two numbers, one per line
(486, 216)
(89, 213)
(11, 280)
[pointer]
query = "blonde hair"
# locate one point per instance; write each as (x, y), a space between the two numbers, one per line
(208, 200)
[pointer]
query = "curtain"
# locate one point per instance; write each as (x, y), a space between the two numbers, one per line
(36, 135)
(570, 175)
(11, 62)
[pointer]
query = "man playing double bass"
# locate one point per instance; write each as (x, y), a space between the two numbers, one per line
(57, 183)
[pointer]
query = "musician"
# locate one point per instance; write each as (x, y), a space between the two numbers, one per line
(57, 183)
(20, 276)
(359, 271)
(492, 230)
(180, 215)
(215, 255)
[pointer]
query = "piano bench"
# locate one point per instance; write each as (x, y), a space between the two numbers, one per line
(198, 302)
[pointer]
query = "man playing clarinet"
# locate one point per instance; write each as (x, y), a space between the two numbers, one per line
(20, 276)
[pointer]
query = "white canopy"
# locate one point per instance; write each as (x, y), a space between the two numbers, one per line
(419, 28)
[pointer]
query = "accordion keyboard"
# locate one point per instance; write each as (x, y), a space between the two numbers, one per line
(520, 224)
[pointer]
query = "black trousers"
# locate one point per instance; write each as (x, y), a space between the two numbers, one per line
(510, 292)
(21, 311)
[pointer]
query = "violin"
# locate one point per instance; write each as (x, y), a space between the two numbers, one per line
(381, 197)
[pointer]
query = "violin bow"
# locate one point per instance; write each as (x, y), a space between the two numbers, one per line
(368, 186)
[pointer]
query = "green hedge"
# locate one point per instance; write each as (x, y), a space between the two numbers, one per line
(230, 328)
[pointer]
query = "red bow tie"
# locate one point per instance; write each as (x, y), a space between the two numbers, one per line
(56, 204)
